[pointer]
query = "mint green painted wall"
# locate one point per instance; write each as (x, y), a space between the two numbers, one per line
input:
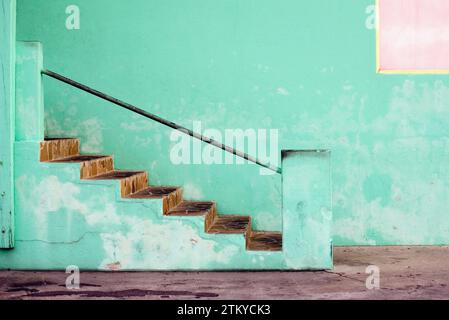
(306, 68)
(7, 110)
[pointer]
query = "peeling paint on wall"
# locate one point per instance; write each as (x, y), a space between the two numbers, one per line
(67, 221)
(388, 135)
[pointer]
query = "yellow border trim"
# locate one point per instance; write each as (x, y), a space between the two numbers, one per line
(437, 71)
(411, 71)
(377, 36)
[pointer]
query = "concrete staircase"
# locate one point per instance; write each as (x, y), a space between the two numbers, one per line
(134, 185)
(72, 209)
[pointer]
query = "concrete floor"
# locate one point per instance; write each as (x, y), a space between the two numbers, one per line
(405, 273)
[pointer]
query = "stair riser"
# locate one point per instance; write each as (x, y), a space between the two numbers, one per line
(133, 184)
(248, 235)
(210, 217)
(93, 168)
(171, 201)
(57, 149)
(249, 231)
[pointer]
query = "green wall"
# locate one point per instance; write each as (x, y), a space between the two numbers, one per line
(306, 68)
(7, 111)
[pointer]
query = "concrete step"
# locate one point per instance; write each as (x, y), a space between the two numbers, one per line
(196, 208)
(90, 165)
(192, 208)
(230, 224)
(171, 196)
(130, 181)
(53, 149)
(264, 241)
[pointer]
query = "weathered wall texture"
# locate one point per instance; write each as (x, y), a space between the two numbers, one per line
(67, 221)
(306, 68)
(7, 110)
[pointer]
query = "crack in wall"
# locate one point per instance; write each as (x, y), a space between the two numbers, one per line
(61, 242)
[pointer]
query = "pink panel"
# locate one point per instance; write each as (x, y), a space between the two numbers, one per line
(414, 35)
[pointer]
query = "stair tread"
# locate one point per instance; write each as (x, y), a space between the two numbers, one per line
(191, 208)
(153, 192)
(116, 175)
(230, 224)
(265, 241)
(81, 158)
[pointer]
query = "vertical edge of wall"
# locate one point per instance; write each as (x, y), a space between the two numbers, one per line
(29, 92)
(7, 121)
(307, 209)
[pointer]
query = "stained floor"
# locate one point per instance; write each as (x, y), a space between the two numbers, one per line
(405, 273)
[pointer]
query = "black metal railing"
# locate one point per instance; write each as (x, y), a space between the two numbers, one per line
(156, 118)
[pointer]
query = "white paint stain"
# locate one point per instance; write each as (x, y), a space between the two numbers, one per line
(90, 130)
(282, 91)
(138, 125)
(191, 191)
(165, 245)
(55, 195)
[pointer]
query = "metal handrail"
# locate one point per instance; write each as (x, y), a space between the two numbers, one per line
(156, 118)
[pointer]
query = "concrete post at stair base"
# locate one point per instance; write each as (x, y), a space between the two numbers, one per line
(306, 209)
(29, 92)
